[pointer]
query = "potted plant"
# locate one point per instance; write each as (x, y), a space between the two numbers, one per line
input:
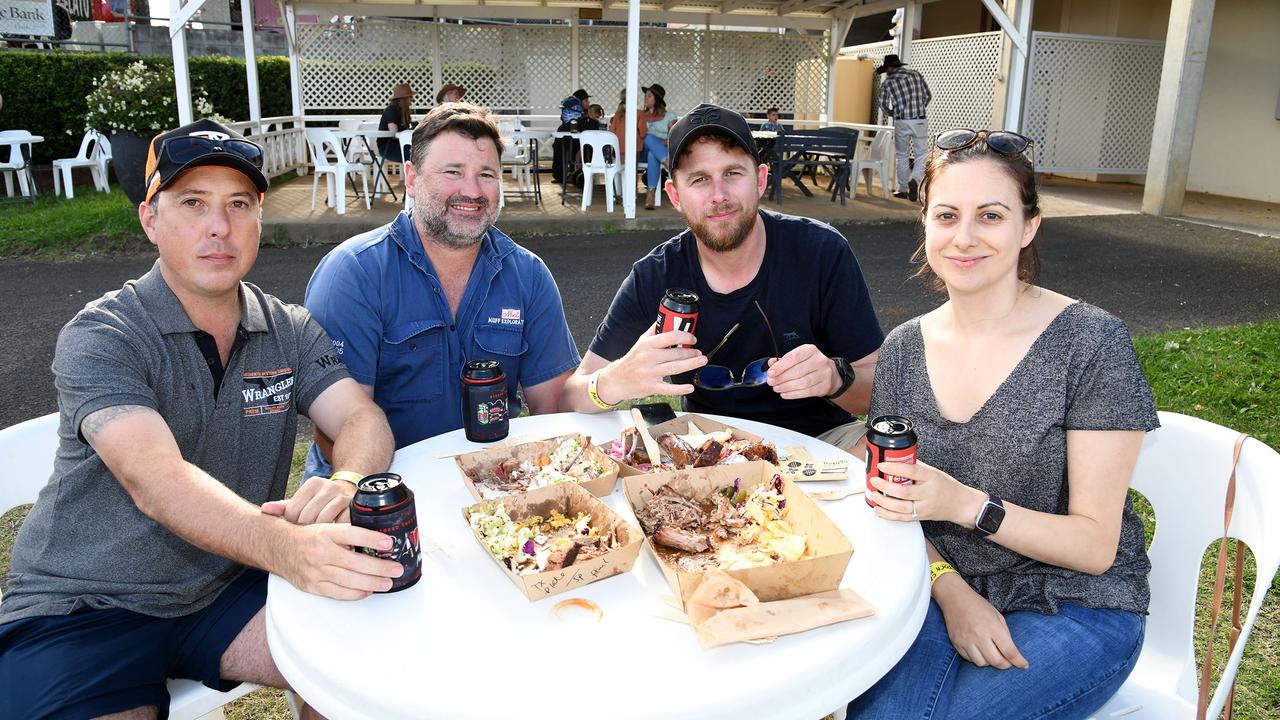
(131, 105)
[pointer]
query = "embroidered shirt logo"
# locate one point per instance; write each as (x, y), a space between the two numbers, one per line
(509, 316)
(267, 392)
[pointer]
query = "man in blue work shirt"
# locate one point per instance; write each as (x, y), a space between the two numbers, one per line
(410, 303)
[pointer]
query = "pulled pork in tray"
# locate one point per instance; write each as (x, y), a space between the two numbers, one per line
(694, 450)
(731, 529)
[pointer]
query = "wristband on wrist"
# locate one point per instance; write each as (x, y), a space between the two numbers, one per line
(938, 569)
(350, 476)
(593, 390)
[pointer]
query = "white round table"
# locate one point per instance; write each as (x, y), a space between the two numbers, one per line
(466, 643)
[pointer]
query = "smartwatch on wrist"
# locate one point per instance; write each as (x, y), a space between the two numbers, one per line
(989, 517)
(845, 370)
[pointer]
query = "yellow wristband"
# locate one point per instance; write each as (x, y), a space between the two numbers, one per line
(594, 391)
(938, 569)
(350, 476)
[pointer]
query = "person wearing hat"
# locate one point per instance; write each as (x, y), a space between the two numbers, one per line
(146, 555)
(395, 118)
(450, 93)
(786, 332)
(904, 95)
(658, 120)
(564, 152)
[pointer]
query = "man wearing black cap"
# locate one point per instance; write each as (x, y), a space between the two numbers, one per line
(564, 153)
(145, 556)
(786, 333)
(904, 95)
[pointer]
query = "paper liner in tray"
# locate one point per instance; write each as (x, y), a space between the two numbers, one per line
(476, 465)
(820, 570)
(569, 499)
(723, 610)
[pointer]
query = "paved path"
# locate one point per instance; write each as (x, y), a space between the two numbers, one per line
(1155, 274)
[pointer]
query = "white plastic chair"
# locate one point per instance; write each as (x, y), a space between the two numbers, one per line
(27, 451)
(1183, 471)
(597, 141)
(18, 164)
(877, 159)
(95, 153)
(324, 143)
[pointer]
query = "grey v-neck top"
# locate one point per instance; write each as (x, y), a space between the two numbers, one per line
(1081, 373)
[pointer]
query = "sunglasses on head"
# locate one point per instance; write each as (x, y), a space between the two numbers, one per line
(182, 150)
(719, 377)
(1001, 141)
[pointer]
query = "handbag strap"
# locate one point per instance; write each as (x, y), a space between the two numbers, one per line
(1219, 580)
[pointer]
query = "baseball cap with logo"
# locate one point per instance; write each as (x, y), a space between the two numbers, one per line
(203, 142)
(709, 120)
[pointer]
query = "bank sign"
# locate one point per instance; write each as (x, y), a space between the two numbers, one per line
(26, 17)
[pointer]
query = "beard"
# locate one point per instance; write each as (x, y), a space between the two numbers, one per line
(722, 237)
(433, 217)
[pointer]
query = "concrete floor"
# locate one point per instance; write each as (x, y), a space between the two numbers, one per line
(288, 209)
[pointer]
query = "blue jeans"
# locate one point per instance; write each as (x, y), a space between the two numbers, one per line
(1078, 659)
(657, 152)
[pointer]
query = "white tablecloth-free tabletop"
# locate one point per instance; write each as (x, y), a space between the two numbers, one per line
(466, 643)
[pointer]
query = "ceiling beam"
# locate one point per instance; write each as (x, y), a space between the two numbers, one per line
(791, 6)
(729, 6)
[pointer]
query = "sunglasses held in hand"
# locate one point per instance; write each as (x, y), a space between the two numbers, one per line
(719, 377)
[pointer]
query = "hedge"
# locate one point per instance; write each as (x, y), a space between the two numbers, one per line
(44, 92)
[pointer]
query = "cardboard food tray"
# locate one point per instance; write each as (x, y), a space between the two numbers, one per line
(477, 464)
(820, 573)
(569, 499)
(680, 426)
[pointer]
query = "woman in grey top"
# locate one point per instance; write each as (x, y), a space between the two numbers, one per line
(1030, 409)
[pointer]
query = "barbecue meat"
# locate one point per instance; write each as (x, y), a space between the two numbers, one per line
(678, 539)
(561, 559)
(633, 447)
(760, 451)
(708, 454)
(668, 508)
(682, 455)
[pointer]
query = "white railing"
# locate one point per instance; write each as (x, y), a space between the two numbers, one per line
(284, 147)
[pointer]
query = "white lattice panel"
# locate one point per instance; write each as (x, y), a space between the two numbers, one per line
(355, 68)
(508, 67)
(752, 71)
(528, 67)
(1091, 102)
(961, 71)
(671, 58)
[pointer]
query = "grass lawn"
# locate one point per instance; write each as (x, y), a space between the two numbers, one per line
(1230, 376)
(93, 222)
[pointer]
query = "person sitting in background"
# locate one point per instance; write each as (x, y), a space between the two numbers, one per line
(772, 124)
(618, 125)
(595, 114)
(659, 121)
(1030, 409)
(564, 153)
(574, 107)
(450, 93)
(395, 118)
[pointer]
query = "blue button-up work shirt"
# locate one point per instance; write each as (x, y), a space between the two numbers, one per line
(383, 305)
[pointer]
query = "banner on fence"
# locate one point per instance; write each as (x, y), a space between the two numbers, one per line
(26, 17)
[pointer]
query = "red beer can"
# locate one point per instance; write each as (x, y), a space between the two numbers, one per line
(890, 438)
(677, 311)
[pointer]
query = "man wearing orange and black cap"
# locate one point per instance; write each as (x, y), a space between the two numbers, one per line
(146, 555)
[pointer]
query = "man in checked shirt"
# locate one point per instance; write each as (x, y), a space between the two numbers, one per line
(904, 95)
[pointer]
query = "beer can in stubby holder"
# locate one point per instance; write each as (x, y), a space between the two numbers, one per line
(384, 503)
(890, 438)
(484, 401)
(677, 311)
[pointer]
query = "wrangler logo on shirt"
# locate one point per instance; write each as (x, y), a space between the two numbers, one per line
(267, 392)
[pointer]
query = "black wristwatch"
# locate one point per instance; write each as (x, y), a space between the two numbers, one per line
(989, 517)
(845, 370)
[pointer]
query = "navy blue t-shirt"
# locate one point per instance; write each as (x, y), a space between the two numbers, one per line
(811, 289)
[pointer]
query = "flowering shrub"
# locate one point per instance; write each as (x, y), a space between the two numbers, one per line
(141, 100)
